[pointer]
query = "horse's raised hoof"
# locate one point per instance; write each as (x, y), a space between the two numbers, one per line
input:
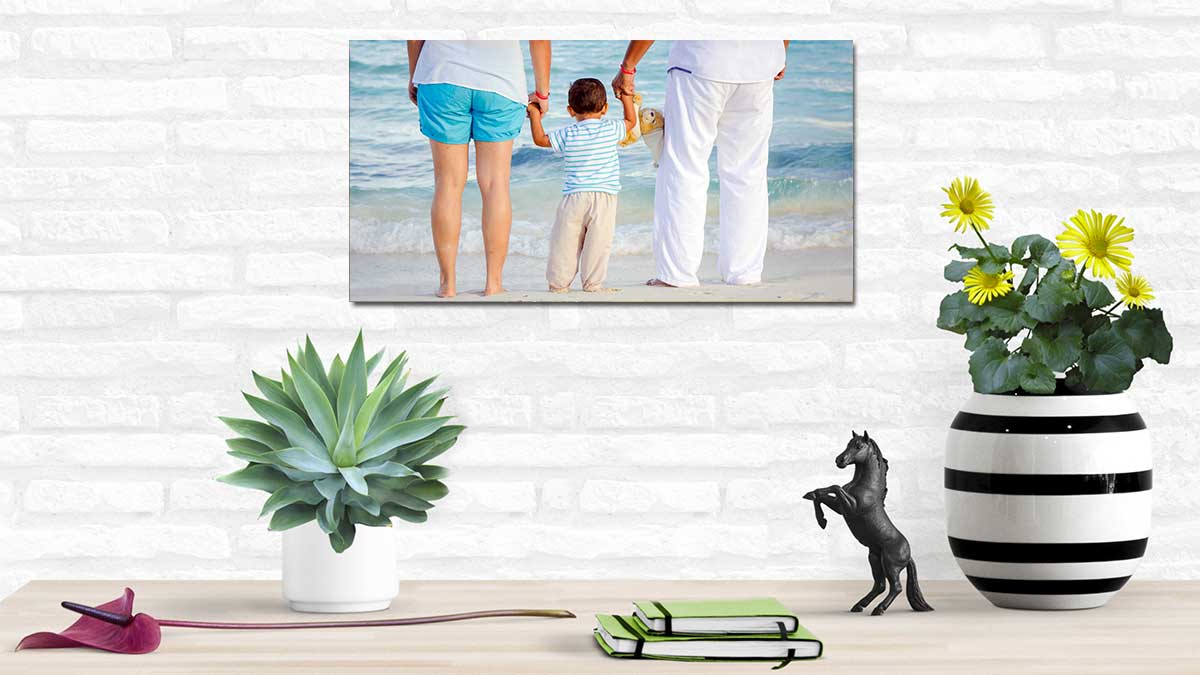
(856, 608)
(878, 611)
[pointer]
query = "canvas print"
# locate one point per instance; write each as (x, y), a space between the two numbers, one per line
(601, 171)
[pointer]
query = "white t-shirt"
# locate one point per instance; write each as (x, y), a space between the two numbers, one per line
(735, 61)
(486, 65)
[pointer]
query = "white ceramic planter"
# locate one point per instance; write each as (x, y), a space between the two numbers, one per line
(1048, 497)
(360, 579)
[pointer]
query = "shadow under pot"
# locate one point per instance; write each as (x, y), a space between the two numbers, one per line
(1048, 497)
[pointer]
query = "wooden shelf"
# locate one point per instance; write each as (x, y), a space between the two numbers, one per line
(1148, 627)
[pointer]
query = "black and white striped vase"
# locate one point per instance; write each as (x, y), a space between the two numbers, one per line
(1048, 497)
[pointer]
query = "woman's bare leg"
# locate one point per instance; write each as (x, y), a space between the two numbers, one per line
(445, 215)
(493, 164)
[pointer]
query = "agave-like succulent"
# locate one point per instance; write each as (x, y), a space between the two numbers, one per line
(331, 449)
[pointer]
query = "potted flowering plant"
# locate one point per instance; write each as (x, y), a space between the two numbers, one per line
(336, 454)
(1048, 464)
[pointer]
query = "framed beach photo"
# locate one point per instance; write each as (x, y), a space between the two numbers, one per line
(601, 171)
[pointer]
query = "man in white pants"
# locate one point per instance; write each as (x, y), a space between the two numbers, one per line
(718, 91)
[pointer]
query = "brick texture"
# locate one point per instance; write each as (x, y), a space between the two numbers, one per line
(172, 214)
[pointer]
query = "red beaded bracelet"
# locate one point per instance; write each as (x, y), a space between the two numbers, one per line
(541, 97)
(628, 71)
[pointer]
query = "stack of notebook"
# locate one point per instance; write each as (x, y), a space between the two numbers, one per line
(759, 629)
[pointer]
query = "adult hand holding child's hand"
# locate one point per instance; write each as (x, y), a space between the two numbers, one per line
(543, 104)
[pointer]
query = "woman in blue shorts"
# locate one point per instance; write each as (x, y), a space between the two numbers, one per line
(473, 90)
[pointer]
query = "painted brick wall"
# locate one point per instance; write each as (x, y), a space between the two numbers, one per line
(172, 193)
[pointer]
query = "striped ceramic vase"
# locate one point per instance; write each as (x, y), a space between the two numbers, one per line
(1048, 497)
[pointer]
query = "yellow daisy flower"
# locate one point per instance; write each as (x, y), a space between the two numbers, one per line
(1096, 239)
(982, 287)
(1135, 290)
(969, 205)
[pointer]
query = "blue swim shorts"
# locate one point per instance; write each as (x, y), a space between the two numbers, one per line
(455, 115)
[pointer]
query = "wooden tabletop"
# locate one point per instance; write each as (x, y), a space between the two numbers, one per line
(1148, 627)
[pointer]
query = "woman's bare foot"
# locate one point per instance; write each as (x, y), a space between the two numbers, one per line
(494, 290)
(660, 282)
(601, 289)
(560, 290)
(446, 291)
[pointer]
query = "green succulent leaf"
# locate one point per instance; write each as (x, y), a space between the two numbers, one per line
(273, 390)
(432, 471)
(318, 408)
(293, 425)
(994, 370)
(373, 362)
(429, 490)
(1108, 364)
(251, 451)
(304, 493)
(1056, 345)
(355, 479)
(354, 383)
(397, 410)
(1096, 294)
(367, 504)
(305, 460)
(316, 369)
(1145, 331)
(425, 405)
(399, 434)
(257, 431)
(256, 477)
(357, 514)
(366, 414)
(389, 469)
(443, 440)
(344, 451)
(291, 516)
(289, 387)
(336, 368)
(330, 486)
(342, 537)
(406, 514)
(297, 475)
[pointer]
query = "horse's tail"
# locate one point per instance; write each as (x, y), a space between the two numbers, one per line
(915, 599)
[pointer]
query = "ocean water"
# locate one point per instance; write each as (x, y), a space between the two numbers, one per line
(810, 171)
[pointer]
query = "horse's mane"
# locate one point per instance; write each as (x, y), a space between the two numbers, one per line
(882, 460)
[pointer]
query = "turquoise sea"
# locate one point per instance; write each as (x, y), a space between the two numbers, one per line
(391, 180)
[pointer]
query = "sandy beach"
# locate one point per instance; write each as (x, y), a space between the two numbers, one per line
(806, 275)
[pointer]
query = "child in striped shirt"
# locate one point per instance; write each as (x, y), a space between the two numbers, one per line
(581, 238)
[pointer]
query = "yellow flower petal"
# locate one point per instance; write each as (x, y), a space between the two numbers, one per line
(1135, 290)
(982, 287)
(1096, 240)
(969, 205)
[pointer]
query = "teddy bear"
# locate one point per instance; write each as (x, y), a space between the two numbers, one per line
(649, 129)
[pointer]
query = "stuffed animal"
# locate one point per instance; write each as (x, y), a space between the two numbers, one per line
(636, 132)
(651, 129)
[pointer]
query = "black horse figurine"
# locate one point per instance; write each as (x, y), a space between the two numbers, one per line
(860, 502)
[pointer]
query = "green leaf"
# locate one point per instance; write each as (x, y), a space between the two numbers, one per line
(298, 476)
(395, 511)
(1096, 294)
(398, 409)
(330, 486)
(395, 367)
(956, 271)
(1056, 345)
(318, 407)
(956, 313)
(291, 516)
(992, 254)
(1007, 314)
(244, 448)
(257, 431)
(344, 451)
(1042, 252)
(336, 368)
(443, 440)
(256, 477)
(994, 370)
(354, 383)
(342, 537)
(1107, 364)
(303, 459)
(360, 516)
(1028, 279)
(373, 362)
(365, 504)
(1145, 331)
(293, 425)
(429, 490)
(274, 391)
(289, 387)
(366, 414)
(425, 405)
(432, 471)
(1038, 379)
(355, 479)
(389, 469)
(400, 434)
(408, 501)
(329, 514)
(291, 494)
(316, 369)
(1050, 302)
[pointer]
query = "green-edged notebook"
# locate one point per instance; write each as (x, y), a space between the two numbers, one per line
(753, 616)
(623, 637)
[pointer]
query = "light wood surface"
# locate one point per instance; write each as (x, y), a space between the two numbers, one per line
(1151, 627)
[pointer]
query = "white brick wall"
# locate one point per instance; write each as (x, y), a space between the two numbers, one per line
(172, 195)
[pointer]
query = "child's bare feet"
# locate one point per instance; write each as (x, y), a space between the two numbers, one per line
(660, 282)
(600, 289)
(559, 290)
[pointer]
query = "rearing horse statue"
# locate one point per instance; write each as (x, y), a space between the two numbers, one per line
(860, 502)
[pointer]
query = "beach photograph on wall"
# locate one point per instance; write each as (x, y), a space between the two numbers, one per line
(583, 171)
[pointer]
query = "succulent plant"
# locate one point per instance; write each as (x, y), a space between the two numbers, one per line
(330, 448)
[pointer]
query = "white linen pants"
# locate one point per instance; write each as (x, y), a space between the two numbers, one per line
(738, 117)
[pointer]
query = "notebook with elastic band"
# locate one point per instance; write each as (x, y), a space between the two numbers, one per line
(714, 617)
(623, 637)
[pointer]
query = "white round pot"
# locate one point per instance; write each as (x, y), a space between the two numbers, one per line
(1048, 497)
(360, 579)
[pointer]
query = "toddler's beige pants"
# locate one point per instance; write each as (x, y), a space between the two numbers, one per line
(581, 240)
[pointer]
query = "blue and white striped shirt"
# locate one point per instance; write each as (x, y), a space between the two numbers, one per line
(589, 150)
